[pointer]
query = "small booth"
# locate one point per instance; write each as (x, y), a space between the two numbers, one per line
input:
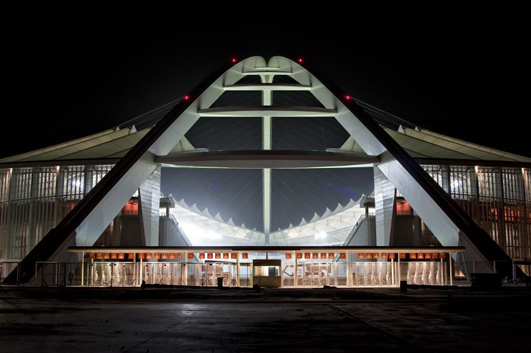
(266, 273)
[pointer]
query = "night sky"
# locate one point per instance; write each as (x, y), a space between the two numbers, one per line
(458, 75)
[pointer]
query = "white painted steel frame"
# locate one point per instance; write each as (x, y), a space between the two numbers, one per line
(106, 207)
(436, 219)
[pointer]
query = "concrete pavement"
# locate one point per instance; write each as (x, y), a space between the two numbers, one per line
(273, 320)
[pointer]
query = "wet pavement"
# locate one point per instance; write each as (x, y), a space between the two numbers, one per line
(270, 320)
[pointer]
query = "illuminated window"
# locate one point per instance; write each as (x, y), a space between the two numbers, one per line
(266, 271)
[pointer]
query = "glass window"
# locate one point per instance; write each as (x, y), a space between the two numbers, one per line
(267, 271)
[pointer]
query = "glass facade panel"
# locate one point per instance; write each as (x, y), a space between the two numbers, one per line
(497, 199)
(351, 270)
(34, 200)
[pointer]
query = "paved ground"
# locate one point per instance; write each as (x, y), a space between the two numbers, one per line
(246, 320)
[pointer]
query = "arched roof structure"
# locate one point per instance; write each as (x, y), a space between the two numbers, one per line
(139, 150)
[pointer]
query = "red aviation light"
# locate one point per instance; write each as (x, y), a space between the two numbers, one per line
(348, 97)
(187, 97)
(300, 61)
(233, 60)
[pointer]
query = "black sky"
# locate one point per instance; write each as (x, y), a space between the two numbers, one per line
(459, 75)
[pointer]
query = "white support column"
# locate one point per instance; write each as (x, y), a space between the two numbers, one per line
(82, 267)
(399, 271)
(140, 274)
(171, 273)
(442, 280)
(58, 191)
(266, 133)
(185, 268)
(238, 269)
(91, 279)
(451, 269)
(392, 272)
(266, 176)
(336, 272)
(135, 272)
(27, 241)
(349, 269)
(266, 173)
(295, 271)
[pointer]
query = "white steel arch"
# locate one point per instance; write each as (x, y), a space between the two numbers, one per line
(90, 218)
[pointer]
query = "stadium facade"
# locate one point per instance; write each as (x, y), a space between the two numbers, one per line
(270, 142)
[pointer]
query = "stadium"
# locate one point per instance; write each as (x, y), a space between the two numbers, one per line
(264, 174)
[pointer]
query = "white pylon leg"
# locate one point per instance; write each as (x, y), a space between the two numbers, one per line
(266, 173)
